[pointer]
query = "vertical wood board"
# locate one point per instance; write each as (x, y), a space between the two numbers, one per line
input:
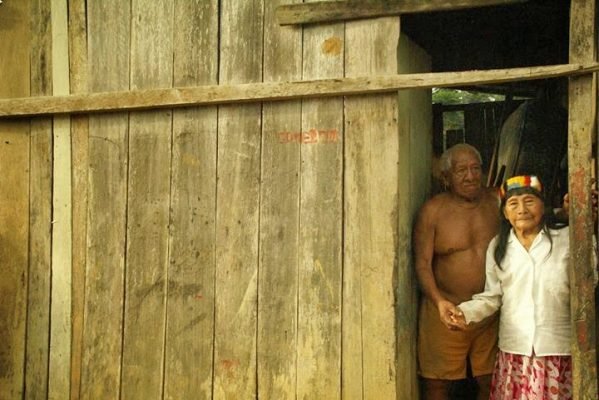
(190, 303)
(320, 260)
(14, 197)
(80, 161)
(370, 218)
(148, 203)
(40, 210)
(108, 24)
(279, 216)
(60, 310)
(238, 205)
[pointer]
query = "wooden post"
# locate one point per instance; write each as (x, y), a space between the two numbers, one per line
(581, 128)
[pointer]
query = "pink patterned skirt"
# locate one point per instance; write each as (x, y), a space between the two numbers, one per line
(531, 378)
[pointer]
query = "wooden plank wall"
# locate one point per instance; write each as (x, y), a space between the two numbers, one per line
(239, 251)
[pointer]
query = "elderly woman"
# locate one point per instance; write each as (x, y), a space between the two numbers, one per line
(527, 280)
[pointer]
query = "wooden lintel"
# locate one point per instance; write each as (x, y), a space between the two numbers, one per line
(329, 11)
(274, 91)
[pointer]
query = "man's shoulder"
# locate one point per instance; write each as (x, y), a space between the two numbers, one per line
(427, 215)
(491, 197)
(436, 202)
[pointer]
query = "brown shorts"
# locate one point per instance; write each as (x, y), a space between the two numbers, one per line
(442, 353)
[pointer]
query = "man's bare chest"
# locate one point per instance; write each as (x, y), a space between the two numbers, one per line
(461, 230)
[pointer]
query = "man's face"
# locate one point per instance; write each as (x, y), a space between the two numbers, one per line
(464, 177)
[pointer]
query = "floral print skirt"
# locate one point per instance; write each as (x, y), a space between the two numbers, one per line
(531, 378)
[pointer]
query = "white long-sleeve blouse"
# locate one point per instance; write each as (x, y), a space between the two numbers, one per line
(532, 290)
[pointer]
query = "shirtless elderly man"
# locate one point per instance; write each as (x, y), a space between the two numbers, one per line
(451, 237)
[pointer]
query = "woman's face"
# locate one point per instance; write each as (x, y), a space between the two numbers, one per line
(525, 212)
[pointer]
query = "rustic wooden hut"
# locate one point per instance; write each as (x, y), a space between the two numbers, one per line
(213, 199)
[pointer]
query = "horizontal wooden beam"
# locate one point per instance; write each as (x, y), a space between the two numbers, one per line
(329, 11)
(274, 91)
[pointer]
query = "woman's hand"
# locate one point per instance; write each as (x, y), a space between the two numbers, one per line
(451, 316)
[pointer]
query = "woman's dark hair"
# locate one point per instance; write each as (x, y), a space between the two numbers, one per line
(548, 222)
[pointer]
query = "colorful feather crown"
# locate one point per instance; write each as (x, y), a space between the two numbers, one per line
(520, 181)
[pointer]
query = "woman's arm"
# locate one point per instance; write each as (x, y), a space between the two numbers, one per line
(488, 302)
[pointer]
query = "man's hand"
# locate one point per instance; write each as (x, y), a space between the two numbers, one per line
(451, 316)
(459, 320)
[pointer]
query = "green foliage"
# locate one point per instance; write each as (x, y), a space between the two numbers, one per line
(454, 96)
(453, 120)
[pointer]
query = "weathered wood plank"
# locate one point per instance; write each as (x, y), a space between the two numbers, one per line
(279, 217)
(14, 197)
(60, 310)
(415, 137)
(320, 260)
(148, 202)
(370, 219)
(256, 92)
(108, 25)
(238, 205)
(40, 215)
(80, 160)
(581, 132)
(329, 11)
(190, 303)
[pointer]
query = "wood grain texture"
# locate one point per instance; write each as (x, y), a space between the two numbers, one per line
(371, 199)
(148, 202)
(269, 91)
(279, 217)
(108, 25)
(190, 303)
(238, 205)
(40, 214)
(320, 260)
(80, 163)
(330, 11)
(415, 144)
(14, 197)
(61, 278)
(582, 132)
